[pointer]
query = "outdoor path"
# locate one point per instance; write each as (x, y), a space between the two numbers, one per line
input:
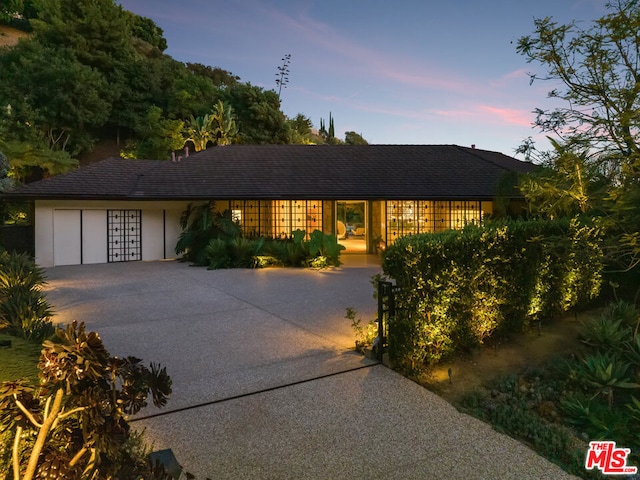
(266, 383)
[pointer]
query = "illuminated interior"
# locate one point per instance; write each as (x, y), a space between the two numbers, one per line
(359, 225)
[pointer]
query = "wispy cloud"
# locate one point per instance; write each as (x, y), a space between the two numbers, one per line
(515, 76)
(339, 53)
(474, 112)
(506, 115)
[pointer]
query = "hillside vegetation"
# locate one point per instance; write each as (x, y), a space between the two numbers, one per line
(90, 73)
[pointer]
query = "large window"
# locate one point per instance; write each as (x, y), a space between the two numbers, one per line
(407, 217)
(277, 218)
(253, 215)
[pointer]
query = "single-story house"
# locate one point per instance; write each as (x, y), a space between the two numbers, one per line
(123, 210)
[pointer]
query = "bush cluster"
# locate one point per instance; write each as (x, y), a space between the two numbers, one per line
(214, 239)
(460, 287)
(24, 310)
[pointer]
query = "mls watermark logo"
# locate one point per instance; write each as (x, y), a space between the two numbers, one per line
(608, 459)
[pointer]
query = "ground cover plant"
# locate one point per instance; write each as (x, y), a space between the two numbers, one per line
(561, 405)
(214, 239)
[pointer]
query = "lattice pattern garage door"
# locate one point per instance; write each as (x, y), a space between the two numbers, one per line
(124, 234)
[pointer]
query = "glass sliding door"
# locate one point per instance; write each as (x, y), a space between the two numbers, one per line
(351, 225)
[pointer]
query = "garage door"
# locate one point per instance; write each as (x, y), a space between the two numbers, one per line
(124, 235)
(67, 237)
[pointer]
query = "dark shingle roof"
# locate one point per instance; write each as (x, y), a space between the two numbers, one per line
(290, 171)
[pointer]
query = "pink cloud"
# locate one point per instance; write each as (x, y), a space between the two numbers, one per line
(507, 116)
(478, 112)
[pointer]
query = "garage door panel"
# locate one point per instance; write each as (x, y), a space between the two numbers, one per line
(66, 237)
(94, 236)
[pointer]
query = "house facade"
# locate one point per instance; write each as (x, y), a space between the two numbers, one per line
(129, 210)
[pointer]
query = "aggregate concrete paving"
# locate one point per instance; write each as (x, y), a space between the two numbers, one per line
(266, 383)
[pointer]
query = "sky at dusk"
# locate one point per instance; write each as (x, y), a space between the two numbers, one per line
(403, 72)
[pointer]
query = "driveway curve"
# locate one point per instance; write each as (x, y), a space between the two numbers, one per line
(266, 382)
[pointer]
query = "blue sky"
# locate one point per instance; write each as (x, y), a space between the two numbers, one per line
(403, 72)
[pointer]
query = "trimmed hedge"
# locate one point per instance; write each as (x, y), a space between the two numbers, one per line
(459, 287)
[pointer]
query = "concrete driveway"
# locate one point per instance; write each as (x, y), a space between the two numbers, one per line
(266, 383)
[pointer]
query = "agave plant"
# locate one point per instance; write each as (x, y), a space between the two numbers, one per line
(632, 351)
(598, 421)
(605, 373)
(604, 333)
(624, 311)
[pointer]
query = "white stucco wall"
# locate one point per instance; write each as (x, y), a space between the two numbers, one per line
(74, 231)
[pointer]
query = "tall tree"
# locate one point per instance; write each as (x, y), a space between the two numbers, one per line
(258, 114)
(566, 186)
(328, 135)
(157, 137)
(595, 70)
(146, 29)
(598, 71)
(300, 130)
(353, 138)
(33, 160)
(219, 77)
(97, 31)
(46, 92)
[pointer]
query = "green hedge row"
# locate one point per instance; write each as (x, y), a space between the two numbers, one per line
(460, 287)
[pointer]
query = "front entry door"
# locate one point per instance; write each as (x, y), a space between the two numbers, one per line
(351, 225)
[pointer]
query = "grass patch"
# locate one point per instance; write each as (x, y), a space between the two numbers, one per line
(20, 360)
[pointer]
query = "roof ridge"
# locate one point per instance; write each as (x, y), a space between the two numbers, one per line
(473, 152)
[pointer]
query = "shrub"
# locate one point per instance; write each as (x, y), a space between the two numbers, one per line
(319, 252)
(460, 287)
(217, 254)
(324, 249)
(214, 239)
(80, 408)
(365, 335)
(200, 224)
(24, 310)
